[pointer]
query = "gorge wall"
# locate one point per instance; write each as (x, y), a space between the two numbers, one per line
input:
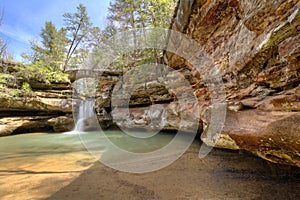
(255, 45)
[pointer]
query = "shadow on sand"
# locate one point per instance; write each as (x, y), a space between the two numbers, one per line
(221, 175)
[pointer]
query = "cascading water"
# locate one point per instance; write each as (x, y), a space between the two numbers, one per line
(84, 114)
(85, 111)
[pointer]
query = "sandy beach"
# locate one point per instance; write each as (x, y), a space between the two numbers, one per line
(221, 175)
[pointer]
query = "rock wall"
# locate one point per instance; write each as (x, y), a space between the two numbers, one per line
(43, 107)
(256, 47)
(145, 104)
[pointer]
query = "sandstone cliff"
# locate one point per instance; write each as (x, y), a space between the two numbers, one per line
(33, 100)
(256, 47)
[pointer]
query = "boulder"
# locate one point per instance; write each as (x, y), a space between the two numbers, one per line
(159, 117)
(274, 136)
(28, 124)
(14, 125)
(62, 123)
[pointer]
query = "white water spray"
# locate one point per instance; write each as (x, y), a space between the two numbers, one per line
(85, 111)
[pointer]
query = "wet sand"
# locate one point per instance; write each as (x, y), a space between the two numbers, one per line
(70, 172)
(221, 175)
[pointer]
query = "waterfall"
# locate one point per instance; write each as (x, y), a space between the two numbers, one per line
(84, 114)
(85, 111)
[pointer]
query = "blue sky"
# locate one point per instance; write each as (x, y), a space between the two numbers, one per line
(23, 19)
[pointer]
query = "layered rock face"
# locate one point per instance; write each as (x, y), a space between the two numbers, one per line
(255, 45)
(244, 55)
(146, 103)
(43, 107)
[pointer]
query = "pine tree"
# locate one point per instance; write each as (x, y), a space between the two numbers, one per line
(77, 26)
(158, 12)
(52, 47)
(133, 14)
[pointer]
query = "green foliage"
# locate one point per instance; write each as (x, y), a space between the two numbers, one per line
(40, 72)
(52, 48)
(4, 77)
(26, 87)
(64, 47)
(17, 83)
(70, 46)
(157, 13)
(7, 80)
(78, 26)
(13, 93)
(133, 14)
